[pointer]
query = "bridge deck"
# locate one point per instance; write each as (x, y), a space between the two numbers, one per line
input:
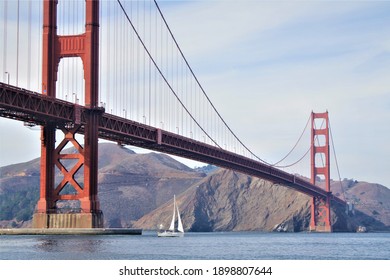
(23, 105)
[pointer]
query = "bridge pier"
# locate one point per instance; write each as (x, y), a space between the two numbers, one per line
(321, 229)
(82, 204)
(320, 215)
(69, 192)
(68, 220)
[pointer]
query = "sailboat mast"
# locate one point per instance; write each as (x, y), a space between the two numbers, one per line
(172, 227)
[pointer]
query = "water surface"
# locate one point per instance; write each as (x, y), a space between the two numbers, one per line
(199, 246)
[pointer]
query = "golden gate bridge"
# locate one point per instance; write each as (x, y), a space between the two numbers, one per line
(113, 70)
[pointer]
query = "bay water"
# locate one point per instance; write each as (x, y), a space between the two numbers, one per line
(199, 246)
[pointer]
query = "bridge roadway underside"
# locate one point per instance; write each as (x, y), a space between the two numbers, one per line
(34, 108)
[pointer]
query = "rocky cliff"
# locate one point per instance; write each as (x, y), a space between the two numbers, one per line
(230, 201)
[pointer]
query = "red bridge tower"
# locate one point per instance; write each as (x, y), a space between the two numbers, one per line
(320, 208)
(84, 195)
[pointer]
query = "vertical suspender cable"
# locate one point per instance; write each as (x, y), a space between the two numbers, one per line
(123, 59)
(17, 46)
(127, 75)
(123, 69)
(62, 31)
(5, 18)
(132, 72)
(192, 106)
(39, 45)
(108, 54)
(156, 95)
(77, 31)
(119, 61)
(100, 54)
(69, 89)
(73, 70)
(120, 64)
(29, 48)
(131, 66)
(150, 64)
(173, 109)
(183, 92)
(115, 61)
(161, 84)
(167, 75)
(144, 68)
(177, 111)
(137, 70)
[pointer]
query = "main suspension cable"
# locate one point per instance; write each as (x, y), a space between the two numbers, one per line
(294, 163)
(293, 148)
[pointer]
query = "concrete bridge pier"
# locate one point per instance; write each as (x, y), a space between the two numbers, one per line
(68, 220)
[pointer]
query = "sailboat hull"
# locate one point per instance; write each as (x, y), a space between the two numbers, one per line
(170, 234)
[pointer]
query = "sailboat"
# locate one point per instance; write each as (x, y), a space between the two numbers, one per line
(173, 231)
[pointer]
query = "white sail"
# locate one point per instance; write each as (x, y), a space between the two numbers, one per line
(179, 224)
(172, 231)
(172, 227)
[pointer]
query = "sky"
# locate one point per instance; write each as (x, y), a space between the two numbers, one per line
(267, 64)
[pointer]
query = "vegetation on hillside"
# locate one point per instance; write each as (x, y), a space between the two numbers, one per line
(18, 205)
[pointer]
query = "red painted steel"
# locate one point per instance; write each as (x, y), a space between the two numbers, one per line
(320, 206)
(20, 104)
(85, 46)
(60, 161)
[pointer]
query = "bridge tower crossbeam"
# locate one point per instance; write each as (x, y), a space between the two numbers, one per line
(320, 207)
(55, 47)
